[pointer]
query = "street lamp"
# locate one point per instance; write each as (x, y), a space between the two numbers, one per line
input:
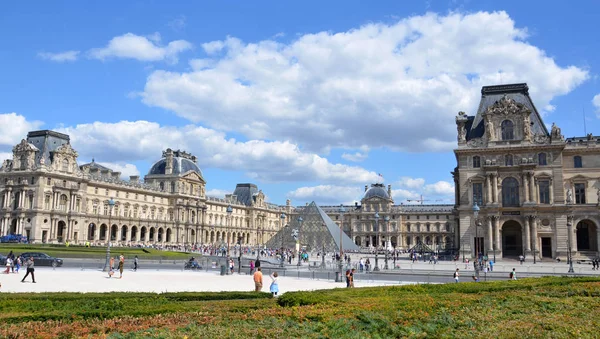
(387, 221)
(476, 215)
(569, 253)
(282, 217)
(240, 254)
(229, 211)
(376, 269)
(111, 204)
(342, 210)
(298, 239)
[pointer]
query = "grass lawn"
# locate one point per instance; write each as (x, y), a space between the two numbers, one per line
(75, 251)
(553, 307)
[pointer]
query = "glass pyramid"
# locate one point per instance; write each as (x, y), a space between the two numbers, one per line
(314, 231)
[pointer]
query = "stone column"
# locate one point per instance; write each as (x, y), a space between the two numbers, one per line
(489, 240)
(488, 189)
(497, 233)
(527, 235)
(526, 187)
(551, 192)
(570, 227)
(495, 188)
(532, 196)
(536, 247)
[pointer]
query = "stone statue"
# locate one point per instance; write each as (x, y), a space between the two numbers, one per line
(555, 132)
(462, 133)
(526, 129)
(489, 129)
(569, 196)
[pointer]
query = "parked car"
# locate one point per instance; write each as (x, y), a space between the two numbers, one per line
(41, 259)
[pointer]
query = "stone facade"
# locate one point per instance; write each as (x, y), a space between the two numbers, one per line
(538, 193)
(47, 196)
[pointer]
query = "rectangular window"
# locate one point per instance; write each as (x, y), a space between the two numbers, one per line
(478, 193)
(542, 159)
(544, 191)
(577, 163)
(508, 160)
(476, 162)
(580, 193)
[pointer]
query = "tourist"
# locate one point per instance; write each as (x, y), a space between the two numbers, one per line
(258, 280)
(231, 266)
(8, 265)
(466, 263)
(274, 288)
(30, 269)
(361, 265)
(111, 264)
(491, 266)
(456, 275)
(347, 278)
(475, 278)
(135, 263)
(251, 266)
(352, 278)
(521, 259)
(121, 265)
(513, 275)
(18, 264)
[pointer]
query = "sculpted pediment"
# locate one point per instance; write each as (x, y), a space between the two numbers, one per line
(24, 146)
(507, 106)
(193, 176)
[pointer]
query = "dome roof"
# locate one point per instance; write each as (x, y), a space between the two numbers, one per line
(377, 190)
(180, 166)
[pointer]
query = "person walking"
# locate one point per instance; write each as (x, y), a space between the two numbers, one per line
(456, 276)
(231, 266)
(251, 266)
(8, 265)
(274, 288)
(347, 278)
(258, 280)
(18, 264)
(352, 277)
(135, 263)
(111, 264)
(513, 275)
(30, 269)
(121, 265)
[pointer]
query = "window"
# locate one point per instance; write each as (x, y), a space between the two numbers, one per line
(544, 186)
(427, 217)
(23, 162)
(478, 193)
(63, 202)
(580, 193)
(96, 190)
(577, 163)
(437, 217)
(508, 160)
(107, 191)
(408, 217)
(507, 130)
(48, 181)
(542, 159)
(510, 192)
(47, 202)
(476, 162)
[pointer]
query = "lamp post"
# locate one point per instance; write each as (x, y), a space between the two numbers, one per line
(282, 231)
(569, 253)
(476, 215)
(342, 210)
(298, 239)
(229, 211)
(240, 254)
(387, 220)
(111, 204)
(376, 269)
(323, 255)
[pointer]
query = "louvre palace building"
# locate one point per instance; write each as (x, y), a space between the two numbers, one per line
(534, 192)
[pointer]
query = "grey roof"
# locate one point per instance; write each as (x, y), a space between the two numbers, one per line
(47, 142)
(491, 94)
(376, 190)
(95, 165)
(245, 193)
(180, 166)
(316, 231)
(427, 208)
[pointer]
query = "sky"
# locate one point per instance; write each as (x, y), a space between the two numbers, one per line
(310, 100)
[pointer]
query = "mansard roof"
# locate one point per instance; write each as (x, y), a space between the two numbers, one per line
(492, 94)
(47, 142)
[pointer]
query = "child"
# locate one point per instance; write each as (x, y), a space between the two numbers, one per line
(274, 284)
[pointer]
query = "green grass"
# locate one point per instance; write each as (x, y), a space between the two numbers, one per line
(550, 307)
(75, 251)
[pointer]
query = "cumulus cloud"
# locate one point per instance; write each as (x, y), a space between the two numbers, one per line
(326, 194)
(217, 193)
(382, 85)
(596, 103)
(131, 46)
(4, 156)
(412, 190)
(356, 157)
(13, 128)
(275, 161)
(60, 57)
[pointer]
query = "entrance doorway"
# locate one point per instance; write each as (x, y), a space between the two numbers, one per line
(512, 239)
(60, 234)
(546, 247)
(586, 236)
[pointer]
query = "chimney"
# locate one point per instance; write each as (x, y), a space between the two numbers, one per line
(134, 178)
(104, 173)
(390, 190)
(169, 162)
(116, 175)
(366, 187)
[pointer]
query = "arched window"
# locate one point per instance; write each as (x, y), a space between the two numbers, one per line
(507, 130)
(508, 160)
(542, 159)
(65, 165)
(577, 163)
(63, 202)
(173, 187)
(476, 162)
(510, 192)
(162, 186)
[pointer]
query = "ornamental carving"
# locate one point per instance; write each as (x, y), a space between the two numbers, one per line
(24, 146)
(477, 142)
(541, 139)
(67, 150)
(507, 106)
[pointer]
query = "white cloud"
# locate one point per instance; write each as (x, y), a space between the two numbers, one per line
(14, 127)
(266, 161)
(4, 156)
(326, 194)
(596, 103)
(356, 157)
(394, 85)
(126, 170)
(217, 193)
(141, 48)
(412, 190)
(60, 57)
(411, 183)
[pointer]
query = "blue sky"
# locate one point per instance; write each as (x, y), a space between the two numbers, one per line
(309, 100)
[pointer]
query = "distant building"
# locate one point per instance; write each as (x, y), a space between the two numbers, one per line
(537, 191)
